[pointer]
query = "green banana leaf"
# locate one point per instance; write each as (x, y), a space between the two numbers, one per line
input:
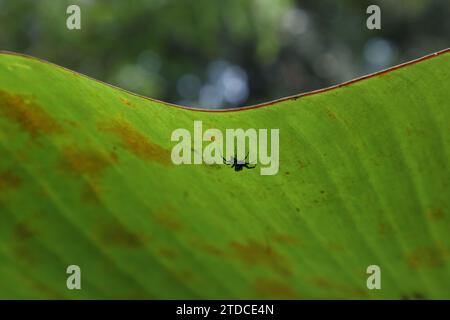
(86, 179)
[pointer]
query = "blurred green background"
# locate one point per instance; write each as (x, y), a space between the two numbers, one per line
(222, 54)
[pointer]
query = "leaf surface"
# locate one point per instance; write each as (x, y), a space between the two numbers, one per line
(86, 178)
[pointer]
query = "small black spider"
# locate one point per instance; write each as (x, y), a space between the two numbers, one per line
(238, 165)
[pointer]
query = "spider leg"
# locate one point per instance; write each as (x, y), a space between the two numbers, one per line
(248, 166)
(225, 161)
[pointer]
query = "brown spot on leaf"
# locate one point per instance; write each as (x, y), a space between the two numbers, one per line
(253, 253)
(274, 289)
(331, 114)
(250, 253)
(126, 102)
(91, 192)
(303, 164)
(343, 290)
(137, 143)
(285, 239)
(44, 289)
(428, 256)
(26, 113)
(436, 214)
(22, 234)
(168, 221)
(8, 180)
(322, 282)
(384, 228)
(89, 164)
(336, 247)
(118, 235)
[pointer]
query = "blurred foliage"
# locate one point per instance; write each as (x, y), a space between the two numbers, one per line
(213, 53)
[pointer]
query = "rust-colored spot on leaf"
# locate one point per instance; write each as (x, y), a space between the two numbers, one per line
(384, 228)
(26, 113)
(436, 214)
(168, 221)
(91, 192)
(428, 256)
(274, 289)
(336, 247)
(251, 253)
(137, 143)
(126, 102)
(89, 164)
(254, 253)
(118, 235)
(322, 282)
(340, 289)
(45, 290)
(8, 180)
(331, 114)
(23, 232)
(21, 247)
(303, 164)
(284, 238)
